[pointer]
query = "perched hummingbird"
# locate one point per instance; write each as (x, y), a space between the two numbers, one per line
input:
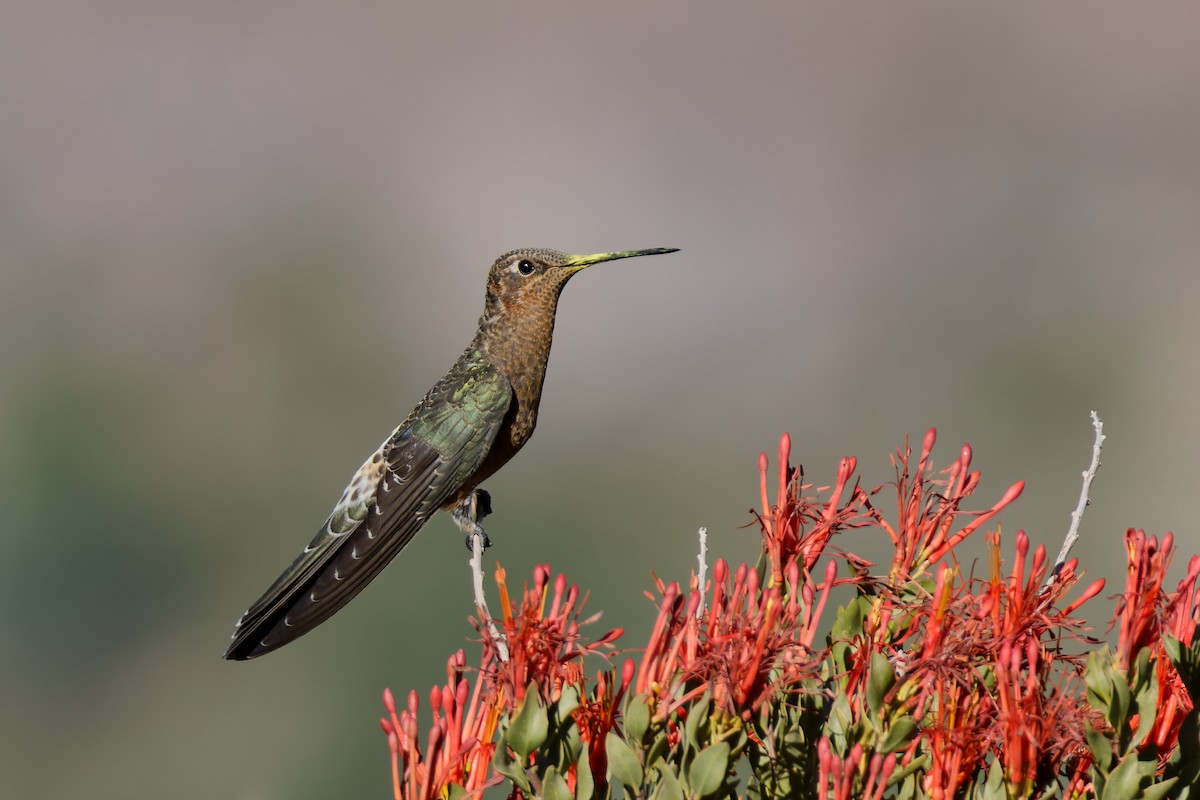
(470, 424)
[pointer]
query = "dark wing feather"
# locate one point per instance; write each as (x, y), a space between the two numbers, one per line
(301, 598)
(390, 499)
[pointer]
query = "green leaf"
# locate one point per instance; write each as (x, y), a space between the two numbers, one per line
(572, 742)
(906, 779)
(454, 792)
(987, 675)
(1187, 663)
(1124, 782)
(1118, 714)
(898, 734)
(668, 786)
(528, 729)
(1188, 786)
(503, 763)
(848, 622)
(637, 718)
(1101, 747)
(1185, 761)
(1159, 790)
(1147, 707)
(841, 717)
(1099, 684)
(708, 771)
(568, 701)
(695, 729)
(880, 679)
(554, 787)
(839, 654)
(585, 784)
(994, 789)
(622, 763)
(657, 750)
(1173, 648)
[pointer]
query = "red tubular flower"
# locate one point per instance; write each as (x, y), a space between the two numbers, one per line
(544, 647)
(1019, 692)
(842, 775)
(459, 749)
(955, 729)
(654, 667)
(994, 675)
(1140, 609)
(596, 715)
(749, 640)
(929, 509)
(1182, 612)
(796, 529)
(1145, 614)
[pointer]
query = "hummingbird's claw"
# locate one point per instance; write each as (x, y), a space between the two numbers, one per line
(470, 541)
(468, 513)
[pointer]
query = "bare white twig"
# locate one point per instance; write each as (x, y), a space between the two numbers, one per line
(476, 563)
(702, 573)
(1089, 475)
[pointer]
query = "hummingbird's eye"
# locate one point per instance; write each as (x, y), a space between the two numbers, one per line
(525, 266)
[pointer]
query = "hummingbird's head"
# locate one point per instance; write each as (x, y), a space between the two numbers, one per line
(530, 280)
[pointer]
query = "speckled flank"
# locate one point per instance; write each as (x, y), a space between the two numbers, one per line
(359, 496)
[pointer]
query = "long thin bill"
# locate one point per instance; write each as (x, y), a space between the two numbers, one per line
(596, 258)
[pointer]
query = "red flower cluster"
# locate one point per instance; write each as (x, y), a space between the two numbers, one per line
(1145, 614)
(460, 746)
(993, 675)
(545, 647)
(927, 677)
(545, 651)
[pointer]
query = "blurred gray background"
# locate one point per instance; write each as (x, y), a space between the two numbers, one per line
(238, 241)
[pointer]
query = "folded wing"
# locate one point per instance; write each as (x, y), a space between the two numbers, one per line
(419, 469)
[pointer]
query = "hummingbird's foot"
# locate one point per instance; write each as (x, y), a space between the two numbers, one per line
(468, 513)
(470, 540)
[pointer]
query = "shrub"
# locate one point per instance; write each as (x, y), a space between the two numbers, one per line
(927, 683)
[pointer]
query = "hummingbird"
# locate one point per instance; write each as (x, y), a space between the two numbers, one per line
(469, 424)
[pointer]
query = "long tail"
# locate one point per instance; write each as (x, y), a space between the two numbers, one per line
(337, 565)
